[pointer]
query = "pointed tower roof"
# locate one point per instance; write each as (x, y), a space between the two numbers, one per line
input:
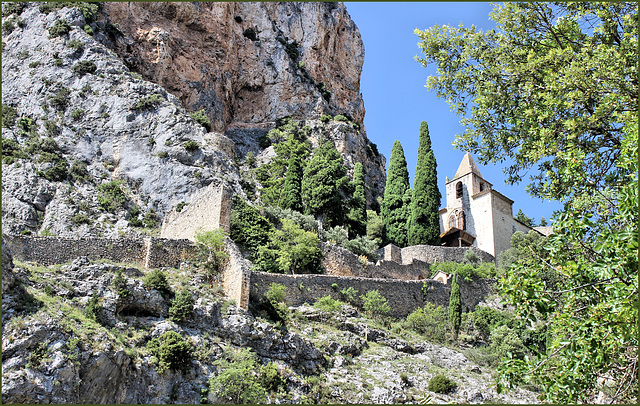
(467, 166)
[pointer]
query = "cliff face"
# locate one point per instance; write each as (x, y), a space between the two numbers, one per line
(246, 63)
(109, 100)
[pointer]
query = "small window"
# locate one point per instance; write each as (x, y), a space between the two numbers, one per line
(459, 190)
(481, 186)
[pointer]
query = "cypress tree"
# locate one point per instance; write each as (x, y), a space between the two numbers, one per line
(292, 191)
(455, 307)
(394, 212)
(358, 213)
(323, 179)
(424, 225)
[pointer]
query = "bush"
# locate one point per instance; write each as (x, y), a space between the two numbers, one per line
(201, 118)
(76, 44)
(84, 67)
(430, 321)
(163, 154)
(13, 8)
(181, 307)
(211, 253)
(111, 197)
(251, 34)
(9, 116)
(60, 100)
(191, 146)
(350, 295)
(328, 304)
(275, 305)
(148, 103)
(93, 309)
(171, 350)
(77, 114)
(241, 381)
(441, 384)
(78, 172)
(150, 219)
(120, 284)
(325, 118)
(340, 117)
(505, 343)
(59, 28)
(157, 280)
(249, 228)
(80, 218)
(375, 304)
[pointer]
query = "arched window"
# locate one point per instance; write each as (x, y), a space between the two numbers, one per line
(458, 190)
(461, 222)
(452, 221)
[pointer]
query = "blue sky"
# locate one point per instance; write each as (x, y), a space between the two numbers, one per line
(396, 101)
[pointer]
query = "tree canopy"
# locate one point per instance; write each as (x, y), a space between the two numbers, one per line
(551, 89)
(357, 217)
(424, 226)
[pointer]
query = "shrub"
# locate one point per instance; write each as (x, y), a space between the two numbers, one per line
(324, 92)
(8, 27)
(84, 67)
(157, 280)
(191, 146)
(148, 103)
(505, 343)
(375, 304)
(171, 350)
(239, 380)
(150, 219)
(9, 116)
(181, 307)
(76, 44)
(111, 197)
(34, 64)
(201, 118)
(77, 114)
(350, 295)
(92, 311)
(340, 117)
(325, 118)
(251, 34)
(162, 154)
(211, 253)
(78, 172)
(80, 218)
(441, 384)
(120, 284)
(430, 321)
(328, 304)
(59, 28)
(13, 8)
(181, 206)
(60, 100)
(275, 304)
(250, 159)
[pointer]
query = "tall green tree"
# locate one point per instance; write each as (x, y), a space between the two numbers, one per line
(424, 226)
(455, 306)
(554, 88)
(292, 192)
(395, 213)
(324, 178)
(550, 88)
(357, 224)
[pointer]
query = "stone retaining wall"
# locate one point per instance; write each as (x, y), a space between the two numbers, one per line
(433, 254)
(403, 296)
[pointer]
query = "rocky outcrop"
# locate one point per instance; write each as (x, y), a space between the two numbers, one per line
(246, 64)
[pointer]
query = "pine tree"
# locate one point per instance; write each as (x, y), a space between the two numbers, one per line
(455, 307)
(292, 191)
(358, 213)
(323, 179)
(394, 213)
(424, 227)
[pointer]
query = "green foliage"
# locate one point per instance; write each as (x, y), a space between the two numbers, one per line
(211, 250)
(350, 295)
(162, 154)
(34, 64)
(276, 306)
(505, 343)
(292, 191)
(324, 178)
(466, 271)
(430, 321)
(455, 307)
(148, 102)
(325, 93)
(84, 67)
(181, 206)
(524, 247)
(59, 28)
(60, 100)
(441, 384)
(134, 219)
(524, 219)
(120, 285)
(340, 117)
(11, 150)
(241, 380)
(248, 227)
(78, 172)
(395, 211)
(276, 214)
(374, 227)
(290, 249)
(523, 98)
(424, 225)
(201, 118)
(156, 279)
(80, 218)
(182, 306)
(486, 319)
(94, 308)
(375, 304)
(77, 114)
(13, 8)
(111, 197)
(8, 27)
(76, 44)
(325, 118)
(328, 304)
(357, 216)
(171, 351)
(9, 115)
(37, 356)
(151, 219)
(250, 159)
(191, 146)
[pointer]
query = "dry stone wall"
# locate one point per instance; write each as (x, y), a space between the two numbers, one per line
(236, 276)
(403, 296)
(433, 254)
